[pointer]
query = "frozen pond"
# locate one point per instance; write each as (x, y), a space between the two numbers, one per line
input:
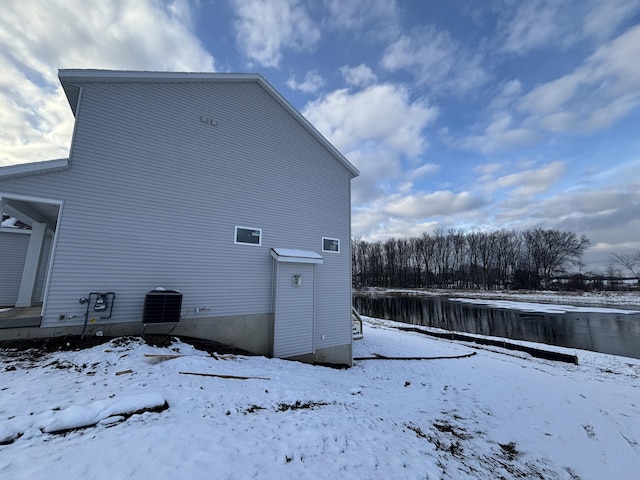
(603, 330)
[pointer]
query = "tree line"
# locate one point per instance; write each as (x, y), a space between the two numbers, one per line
(528, 259)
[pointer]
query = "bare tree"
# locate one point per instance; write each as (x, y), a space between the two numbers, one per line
(528, 259)
(428, 248)
(552, 251)
(442, 256)
(376, 261)
(390, 262)
(629, 261)
(474, 240)
(458, 244)
(508, 247)
(487, 256)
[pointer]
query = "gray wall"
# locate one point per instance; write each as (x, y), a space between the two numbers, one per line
(13, 250)
(153, 195)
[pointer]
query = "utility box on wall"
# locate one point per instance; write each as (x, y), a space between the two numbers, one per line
(162, 306)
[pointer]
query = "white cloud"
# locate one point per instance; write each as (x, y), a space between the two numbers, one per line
(585, 202)
(312, 82)
(373, 226)
(607, 215)
(605, 17)
(265, 27)
(374, 19)
(603, 89)
(553, 95)
(423, 205)
(558, 122)
(413, 175)
(605, 209)
(500, 134)
(424, 170)
(535, 24)
(365, 220)
(360, 76)
(383, 114)
(507, 93)
(376, 128)
(533, 181)
(402, 216)
(37, 39)
(436, 60)
(595, 95)
(487, 168)
(128, 35)
(379, 169)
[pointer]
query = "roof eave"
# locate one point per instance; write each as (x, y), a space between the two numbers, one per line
(34, 168)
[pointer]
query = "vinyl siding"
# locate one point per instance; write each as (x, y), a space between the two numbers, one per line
(153, 196)
(294, 315)
(13, 251)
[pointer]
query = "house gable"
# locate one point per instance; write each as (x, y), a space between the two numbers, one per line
(72, 81)
(164, 167)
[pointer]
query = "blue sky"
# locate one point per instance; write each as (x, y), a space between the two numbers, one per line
(479, 115)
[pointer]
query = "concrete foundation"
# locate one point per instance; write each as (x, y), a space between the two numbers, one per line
(339, 356)
(253, 333)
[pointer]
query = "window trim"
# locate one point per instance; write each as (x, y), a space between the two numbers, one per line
(333, 240)
(235, 236)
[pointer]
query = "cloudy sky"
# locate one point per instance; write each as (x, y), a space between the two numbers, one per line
(458, 114)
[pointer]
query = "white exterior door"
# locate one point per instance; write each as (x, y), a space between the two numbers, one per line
(294, 310)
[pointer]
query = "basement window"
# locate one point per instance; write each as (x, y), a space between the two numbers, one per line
(331, 245)
(248, 236)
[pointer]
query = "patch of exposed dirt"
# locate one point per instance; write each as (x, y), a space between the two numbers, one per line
(118, 418)
(493, 460)
(39, 347)
(285, 407)
(28, 353)
(34, 349)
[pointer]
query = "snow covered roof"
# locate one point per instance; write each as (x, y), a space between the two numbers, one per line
(72, 81)
(292, 255)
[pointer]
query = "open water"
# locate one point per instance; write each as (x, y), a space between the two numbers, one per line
(612, 333)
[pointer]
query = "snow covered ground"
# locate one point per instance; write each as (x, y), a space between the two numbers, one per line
(542, 307)
(487, 416)
(611, 299)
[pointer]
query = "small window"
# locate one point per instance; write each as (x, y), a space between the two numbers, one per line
(330, 245)
(250, 236)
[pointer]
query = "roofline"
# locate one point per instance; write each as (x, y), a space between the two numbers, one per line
(33, 168)
(97, 75)
(69, 78)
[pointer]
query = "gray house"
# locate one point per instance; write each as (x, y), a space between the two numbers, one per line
(210, 186)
